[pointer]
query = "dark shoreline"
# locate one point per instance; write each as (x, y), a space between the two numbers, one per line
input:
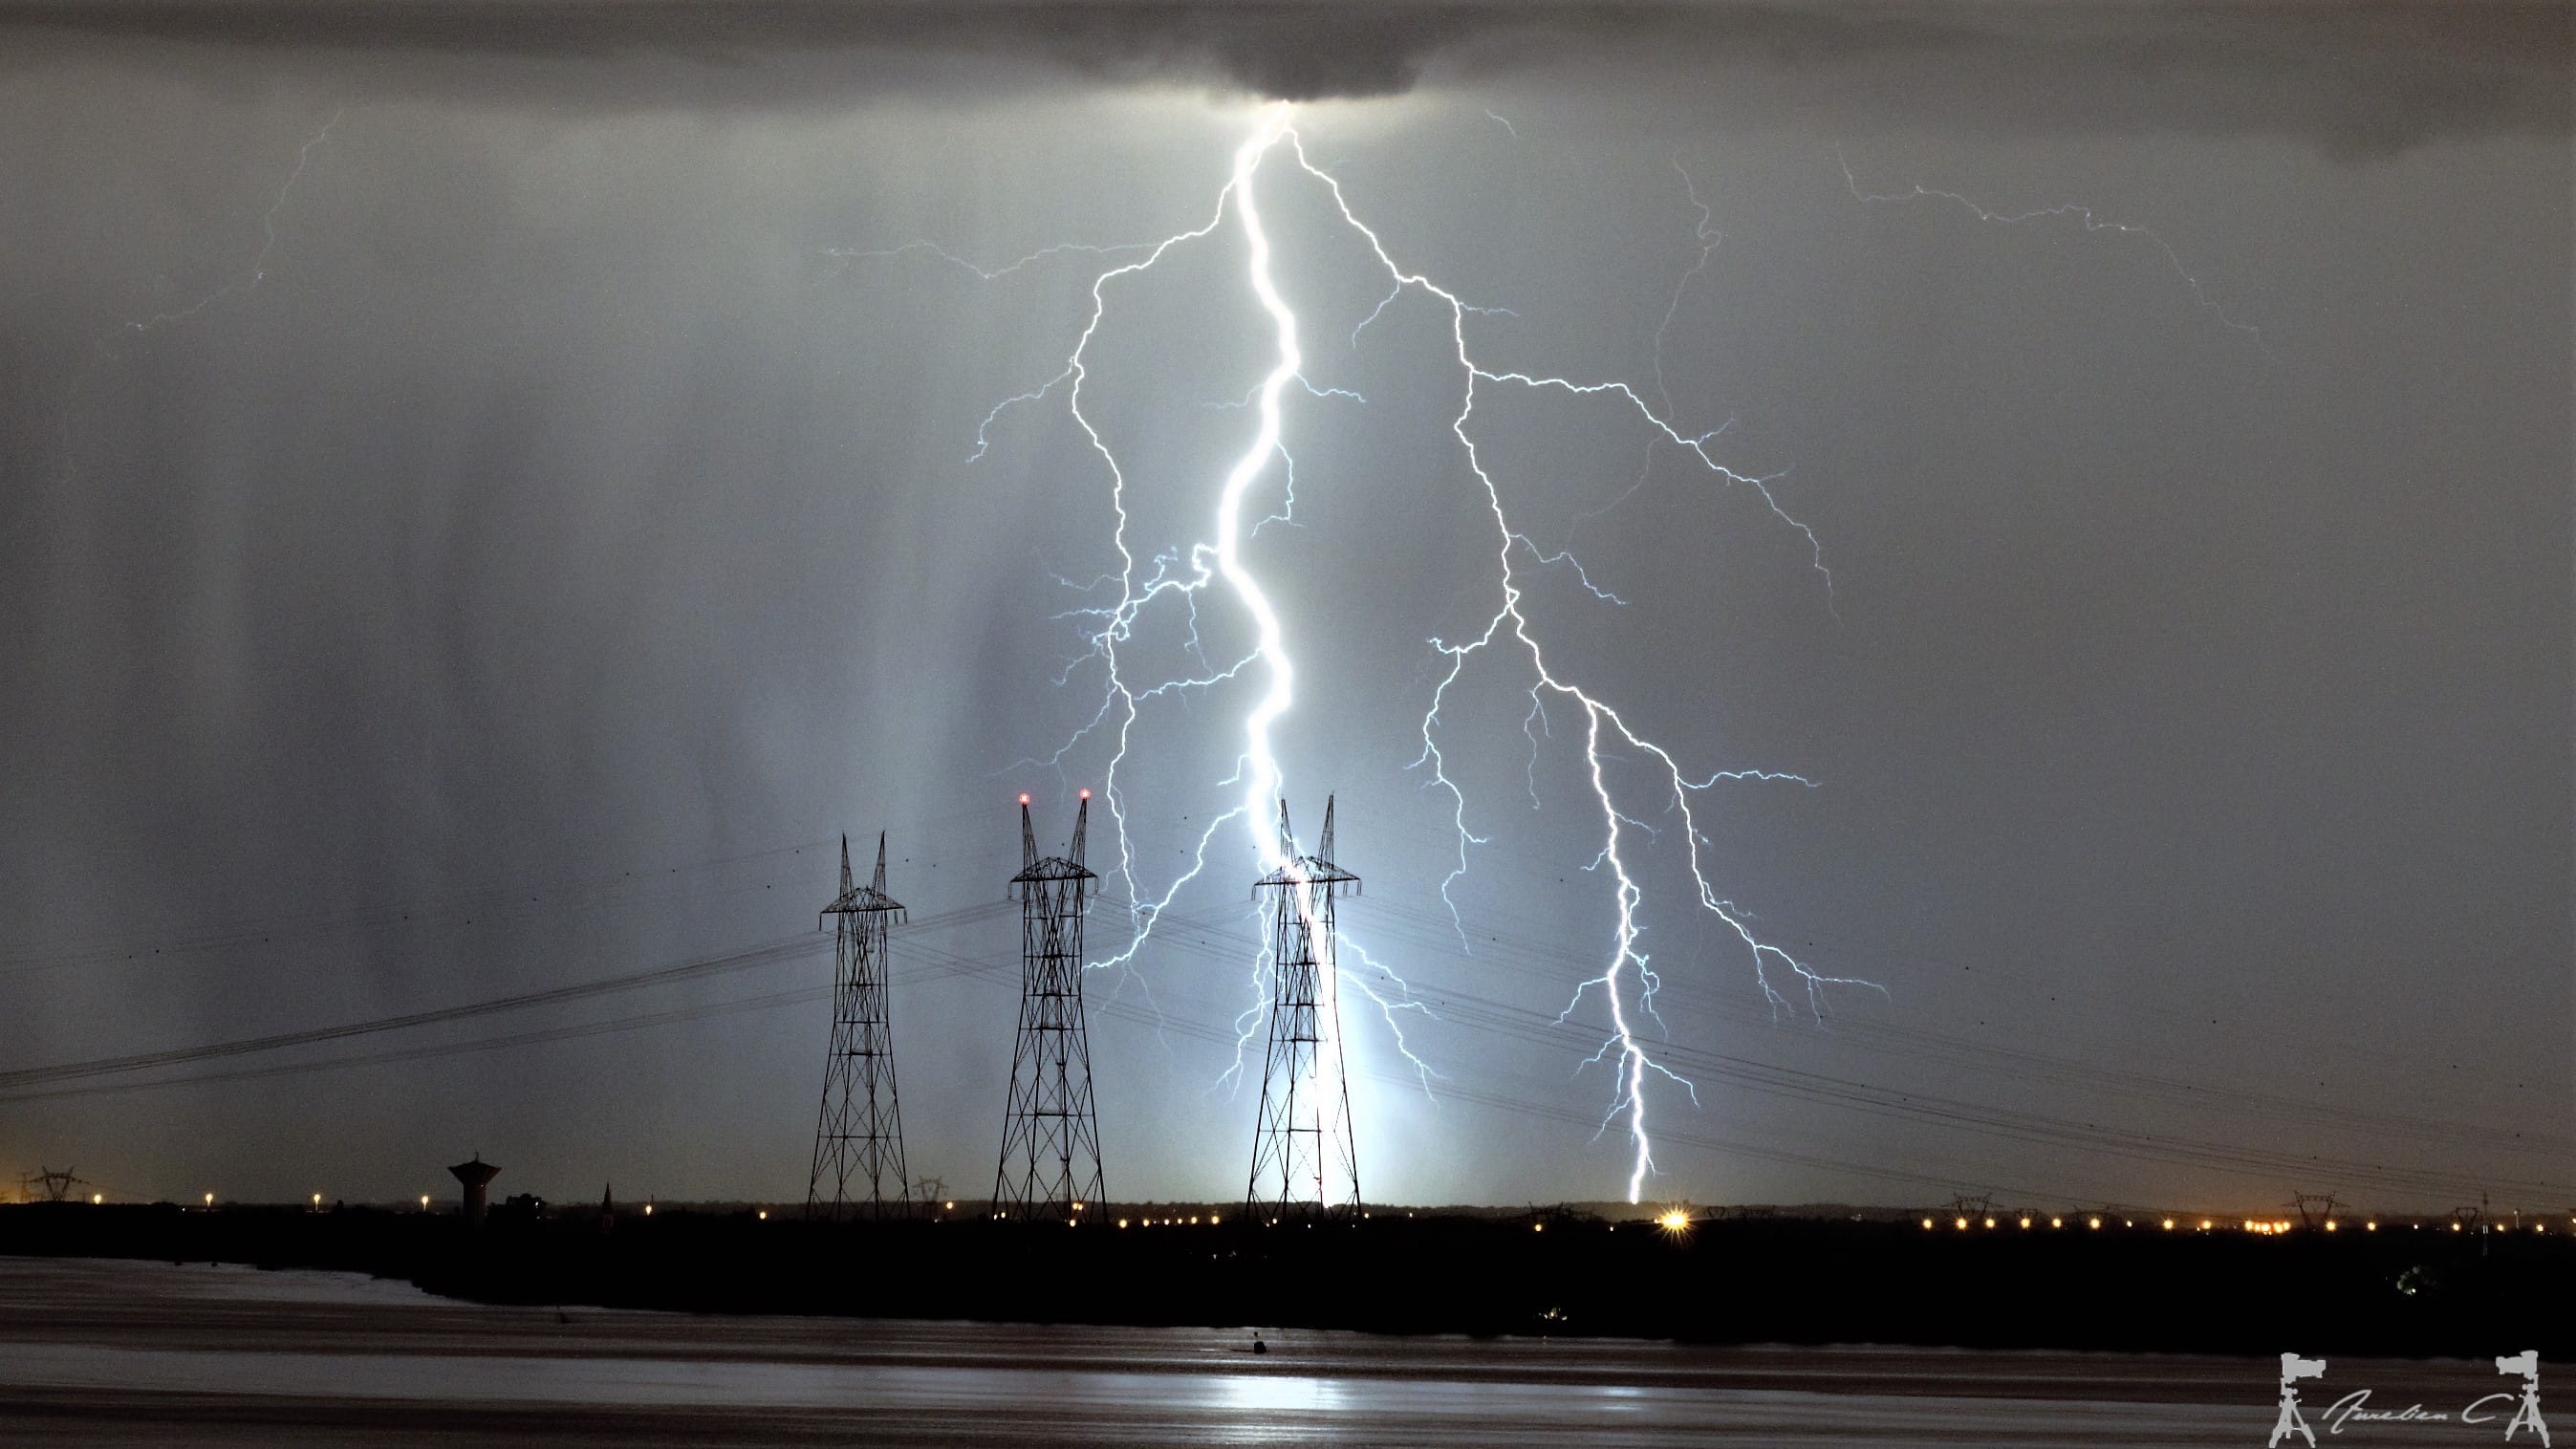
(1784, 1281)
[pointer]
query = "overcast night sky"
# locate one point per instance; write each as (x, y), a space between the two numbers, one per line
(492, 492)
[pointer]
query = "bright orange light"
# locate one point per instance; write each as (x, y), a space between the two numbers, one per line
(2025, 1222)
(2204, 1225)
(2093, 1222)
(2169, 1225)
(764, 1215)
(1990, 1222)
(1677, 1222)
(2056, 1223)
(2330, 1225)
(1927, 1222)
(2370, 1227)
(1961, 1225)
(96, 1199)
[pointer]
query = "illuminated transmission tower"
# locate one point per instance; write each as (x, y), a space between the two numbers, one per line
(1050, 1168)
(1304, 1163)
(860, 1132)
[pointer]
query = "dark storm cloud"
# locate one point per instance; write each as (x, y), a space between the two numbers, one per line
(2354, 79)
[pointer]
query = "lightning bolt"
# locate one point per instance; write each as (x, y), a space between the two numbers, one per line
(2085, 216)
(102, 348)
(1627, 982)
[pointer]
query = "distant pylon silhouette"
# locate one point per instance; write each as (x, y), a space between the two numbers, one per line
(1050, 1167)
(1304, 1161)
(858, 1139)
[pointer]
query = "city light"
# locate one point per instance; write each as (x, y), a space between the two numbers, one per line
(2093, 1222)
(1677, 1222)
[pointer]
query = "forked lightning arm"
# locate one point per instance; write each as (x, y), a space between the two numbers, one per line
(1627, 981)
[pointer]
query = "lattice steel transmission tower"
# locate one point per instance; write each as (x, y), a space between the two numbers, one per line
(1305, 1164)
(1050, 1167)
(859, 1134)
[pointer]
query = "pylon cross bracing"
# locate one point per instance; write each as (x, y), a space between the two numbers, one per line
(1050, 1165)
(858, 1138)
(1305, 1163)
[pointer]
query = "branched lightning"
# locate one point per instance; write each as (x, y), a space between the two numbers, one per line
(2085, 216)
(258, 272)
(989, 274)
(102, 348)
(1627, 982)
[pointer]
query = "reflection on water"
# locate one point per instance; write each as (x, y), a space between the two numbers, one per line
(1258, 1393)
(110, 1353)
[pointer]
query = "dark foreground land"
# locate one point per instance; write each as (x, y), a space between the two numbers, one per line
(105, 1353)
(2400, 1291)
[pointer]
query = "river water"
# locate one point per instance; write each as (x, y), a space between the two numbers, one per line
(102, 1352)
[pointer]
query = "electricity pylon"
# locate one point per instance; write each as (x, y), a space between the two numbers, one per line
(1304, 1162)
(1050, 1166)
(859, 1134)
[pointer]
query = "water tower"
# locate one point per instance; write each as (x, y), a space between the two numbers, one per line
(476, 1176)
